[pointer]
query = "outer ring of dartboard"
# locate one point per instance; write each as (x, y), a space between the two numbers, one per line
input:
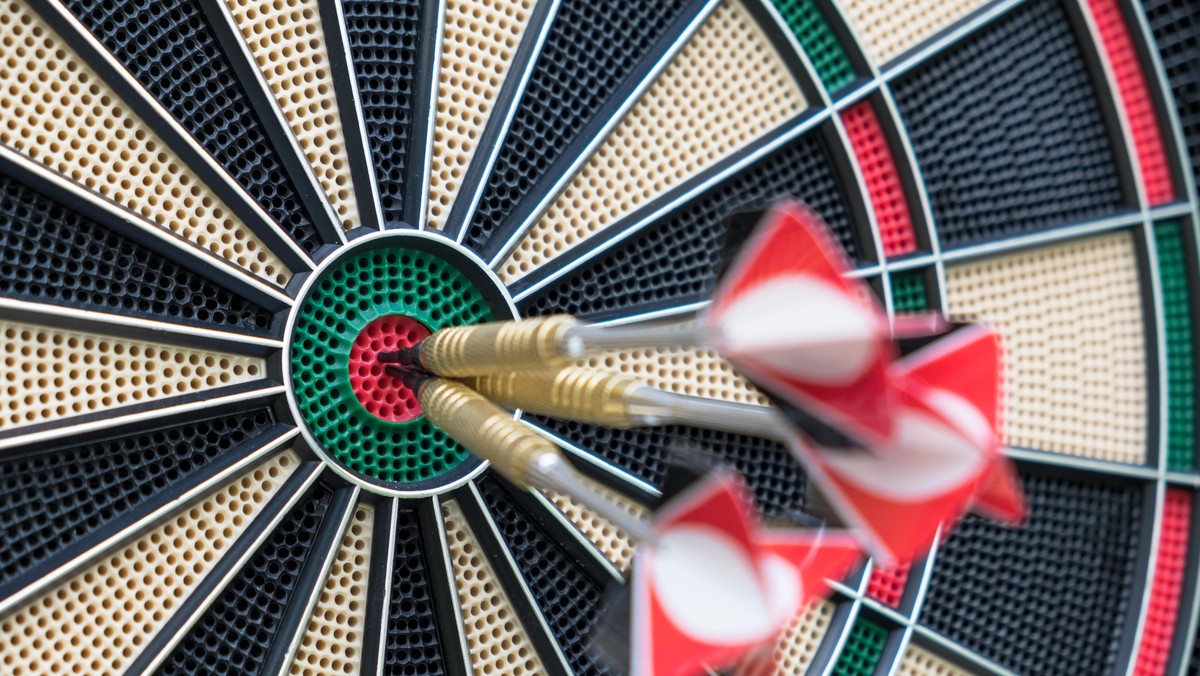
(496, 291)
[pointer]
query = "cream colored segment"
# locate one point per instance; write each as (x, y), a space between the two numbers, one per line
(1070, 317)
(100, 621)
(57, 112)
(479, 42)
(333, 640)
(287, 40)
(692, 371)
(920, 662)
(613, 542)
(49, 374)
(888, 28)
(725, 88)
(795, 650)
(495, 637)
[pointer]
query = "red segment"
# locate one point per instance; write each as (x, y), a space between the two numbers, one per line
(883, 183)
(1131, 81)
(382, 395)
(887, 584)
(1159, 631)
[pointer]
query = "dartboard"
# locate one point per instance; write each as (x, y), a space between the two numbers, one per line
(215, 214)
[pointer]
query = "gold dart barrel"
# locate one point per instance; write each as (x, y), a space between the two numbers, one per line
(586, 395)
(497, 347)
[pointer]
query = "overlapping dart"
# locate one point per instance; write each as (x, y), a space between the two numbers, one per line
(896, 423)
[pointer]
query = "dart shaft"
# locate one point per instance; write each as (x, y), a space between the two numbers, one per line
(521, 455)
(618, 400)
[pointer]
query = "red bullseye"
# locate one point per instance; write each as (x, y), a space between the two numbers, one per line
(382, 395)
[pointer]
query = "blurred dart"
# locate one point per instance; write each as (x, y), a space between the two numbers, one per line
(718, 586)
(945, 456)
(621, 401)
(519, 454)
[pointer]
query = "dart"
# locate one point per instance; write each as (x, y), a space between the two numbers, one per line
(521, 455)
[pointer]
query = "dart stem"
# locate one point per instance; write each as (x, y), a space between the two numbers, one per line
(581, 340)
(522, 456)
(618, 400)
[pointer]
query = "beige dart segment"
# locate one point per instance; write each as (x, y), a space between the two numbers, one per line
(920, 662)
(1070, 318)
(888, 28)
(99, 621)
(497, 642)
(613, 542)
(332, 642)
(287, 40)
(725, 88)
(795, 650)
(692, 371)
(50, 374)
(56, 111)
(479, 42)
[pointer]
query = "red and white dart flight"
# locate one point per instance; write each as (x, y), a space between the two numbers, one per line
(787, 316)
(716, 586)
(945, 455)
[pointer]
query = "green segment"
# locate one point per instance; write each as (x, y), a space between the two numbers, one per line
(815, 36)
(351, 294)
(909, 293)
(862, 651)
(1181, 384)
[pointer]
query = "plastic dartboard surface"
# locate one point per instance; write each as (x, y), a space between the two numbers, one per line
(215, 213)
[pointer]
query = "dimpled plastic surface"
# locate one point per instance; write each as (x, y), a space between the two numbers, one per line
(592, 46)
(918, 661)
(818, 41)
(888, 28)
(50, 254)
(725, 89)
(774, 474)
(1008, 131)
(171, 50)
(1176, 27)
(887, 584)
(383, 38)
(796, 648)
(569, 601)
(1170, 566)
(1181, 364)
(864, 646)
(412, 644)
(672, 261)
(233, 636)
(909, 292)
(51, 499)
(384, 396)
(353, 292)
(1051, 596)
(1135, 97)
(878, 169)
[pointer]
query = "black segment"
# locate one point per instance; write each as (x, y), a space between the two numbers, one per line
(233, 637)
(50, 254)
(568, 599)
(1008, 132)
(1176, 28)
(592, 46)
(413, 645)
(384, 38)
(773, 472)
(1050, 597)
(674, 261)
(51, 499)
(168, 46)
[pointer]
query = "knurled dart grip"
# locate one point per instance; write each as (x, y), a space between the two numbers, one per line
(484, 429)
(572, 393)
(497, 347)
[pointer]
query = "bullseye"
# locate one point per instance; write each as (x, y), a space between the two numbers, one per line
(384, 396)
